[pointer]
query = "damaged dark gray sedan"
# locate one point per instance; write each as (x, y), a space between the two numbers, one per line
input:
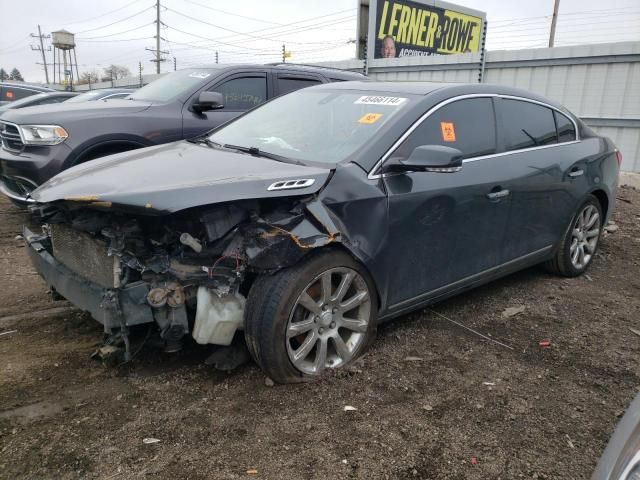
(303, 224)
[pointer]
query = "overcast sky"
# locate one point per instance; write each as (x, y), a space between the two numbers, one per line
(117, 31)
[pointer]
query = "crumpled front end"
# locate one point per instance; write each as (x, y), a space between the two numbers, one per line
(185, 273)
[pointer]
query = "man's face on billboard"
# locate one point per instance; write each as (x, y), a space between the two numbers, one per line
(388, 48)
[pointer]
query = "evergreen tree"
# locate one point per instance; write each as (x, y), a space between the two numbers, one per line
(3, 75)
(16, 75)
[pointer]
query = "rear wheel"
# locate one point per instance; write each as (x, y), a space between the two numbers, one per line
(316, 315)
(580, 241)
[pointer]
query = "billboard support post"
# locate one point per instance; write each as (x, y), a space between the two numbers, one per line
(483, 53)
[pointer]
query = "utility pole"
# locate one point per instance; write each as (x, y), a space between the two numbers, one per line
(41, 48)
(284, 57)
(158, 36)
(174, 64)
(157, 50)
(554, 19)
(140, 72)
(216, 56)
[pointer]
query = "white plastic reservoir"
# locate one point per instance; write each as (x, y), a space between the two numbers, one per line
(217, 317)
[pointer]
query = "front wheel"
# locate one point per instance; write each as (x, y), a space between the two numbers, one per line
(580, 242)
(316, 315)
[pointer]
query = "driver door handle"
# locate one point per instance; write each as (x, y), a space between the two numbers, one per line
(497, 195)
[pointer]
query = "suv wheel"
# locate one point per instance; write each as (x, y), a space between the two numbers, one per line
(316, 315)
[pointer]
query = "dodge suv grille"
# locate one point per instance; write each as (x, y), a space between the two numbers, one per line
(10, 137)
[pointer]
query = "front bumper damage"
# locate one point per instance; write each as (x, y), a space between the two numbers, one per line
(100, 302)
(184, 285)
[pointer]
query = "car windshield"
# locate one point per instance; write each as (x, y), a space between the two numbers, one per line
(315, 125)
(87, 96)
(173, 85)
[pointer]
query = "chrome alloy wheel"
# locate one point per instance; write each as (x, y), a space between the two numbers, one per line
(329, 321)
(584, 237)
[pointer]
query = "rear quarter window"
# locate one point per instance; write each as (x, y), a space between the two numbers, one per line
(566, 128)
(9, 94)
(291, 84)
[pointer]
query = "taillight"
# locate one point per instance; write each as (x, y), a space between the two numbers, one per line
(619, 157)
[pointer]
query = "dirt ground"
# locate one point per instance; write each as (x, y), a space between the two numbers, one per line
(433, 400)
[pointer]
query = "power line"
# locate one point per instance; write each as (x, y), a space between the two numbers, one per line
(250, 35)
(118, 21)
(16, 43)
(117, 33)
(236, 14)
(102, 15)
(294, 24)
(82, 40)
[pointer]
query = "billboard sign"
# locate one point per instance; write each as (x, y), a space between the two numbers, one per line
(406, 28)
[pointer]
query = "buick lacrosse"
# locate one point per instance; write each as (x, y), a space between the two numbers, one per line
(300, 226)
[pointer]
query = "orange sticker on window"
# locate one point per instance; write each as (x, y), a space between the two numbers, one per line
(448, 131)
(370, 118)
(9, 94)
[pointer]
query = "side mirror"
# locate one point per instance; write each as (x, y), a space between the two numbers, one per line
(209, 101)
(430, 158)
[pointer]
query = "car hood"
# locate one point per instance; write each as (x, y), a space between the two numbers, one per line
(171, 177)
(60, 113)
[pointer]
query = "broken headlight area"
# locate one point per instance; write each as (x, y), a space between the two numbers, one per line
(185, 273)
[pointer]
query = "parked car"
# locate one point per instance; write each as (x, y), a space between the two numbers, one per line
(311, 219)
(12, 91)
(103, 94)
(39, 99)
(621, 458)
(42, 142)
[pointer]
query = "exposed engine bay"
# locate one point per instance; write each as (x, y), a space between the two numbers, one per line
(187, 272)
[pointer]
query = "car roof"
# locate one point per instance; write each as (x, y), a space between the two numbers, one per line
(30, 86)
(329, 72)
(426, 88)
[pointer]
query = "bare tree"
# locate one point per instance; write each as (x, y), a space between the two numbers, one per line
(91, 76)
(116, 71)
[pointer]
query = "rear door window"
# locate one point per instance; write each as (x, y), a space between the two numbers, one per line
(526, 124)
(566, 128)
(243, 93)
(286, 83)
(9, 94)
(468, 125)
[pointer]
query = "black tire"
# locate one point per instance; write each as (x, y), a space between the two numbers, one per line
(561, 263)
(271, 301)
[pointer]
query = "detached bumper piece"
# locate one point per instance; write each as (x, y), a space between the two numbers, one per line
(113, 308)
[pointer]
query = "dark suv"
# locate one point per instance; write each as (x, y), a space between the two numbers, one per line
(40, 142)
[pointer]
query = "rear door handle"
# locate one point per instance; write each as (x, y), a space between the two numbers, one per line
(498, 194)
(576, 172)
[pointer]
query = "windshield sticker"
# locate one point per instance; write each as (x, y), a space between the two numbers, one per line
(201, 75)
(448, 131)
(370, 118)
(378, 100)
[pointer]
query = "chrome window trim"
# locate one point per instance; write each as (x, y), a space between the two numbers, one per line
(373, 176)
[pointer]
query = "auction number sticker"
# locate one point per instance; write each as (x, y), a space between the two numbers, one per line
(380, 100)
(370, 118)
(448, 131)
